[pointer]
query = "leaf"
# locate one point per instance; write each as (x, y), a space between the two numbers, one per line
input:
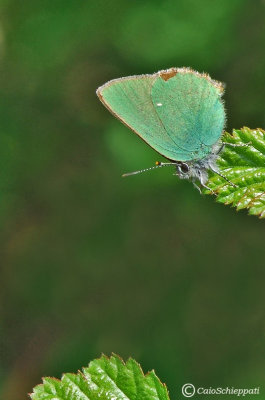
(243, 165)
(104, 378)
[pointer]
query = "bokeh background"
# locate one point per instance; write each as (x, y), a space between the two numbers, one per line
(143, 266)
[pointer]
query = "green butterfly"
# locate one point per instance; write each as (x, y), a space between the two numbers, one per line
(178, 112)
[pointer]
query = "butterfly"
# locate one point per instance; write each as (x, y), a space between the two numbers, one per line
(178, 112)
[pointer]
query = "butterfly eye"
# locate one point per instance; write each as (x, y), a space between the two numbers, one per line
(184, 168)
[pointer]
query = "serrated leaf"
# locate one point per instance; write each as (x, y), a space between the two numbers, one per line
(105, 378)
(243, 165)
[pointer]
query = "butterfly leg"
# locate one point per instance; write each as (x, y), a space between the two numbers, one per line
(236, 145)
(196, 186)
(203, 177)
(222, 146)
(222, 176)
(207, 187)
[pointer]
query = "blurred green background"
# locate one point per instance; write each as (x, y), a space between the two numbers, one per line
(143, 266)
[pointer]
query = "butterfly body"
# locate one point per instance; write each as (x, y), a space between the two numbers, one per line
(178, 112)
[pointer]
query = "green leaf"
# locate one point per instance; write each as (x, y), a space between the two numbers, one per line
(244, 166)
(104, 378)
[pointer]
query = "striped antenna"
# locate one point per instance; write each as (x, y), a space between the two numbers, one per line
(158, 165)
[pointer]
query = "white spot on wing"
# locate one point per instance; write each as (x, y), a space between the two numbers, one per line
(159, 104)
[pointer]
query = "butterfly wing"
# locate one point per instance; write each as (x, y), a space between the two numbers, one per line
(178, 112)
(191, 110)
(130, 100)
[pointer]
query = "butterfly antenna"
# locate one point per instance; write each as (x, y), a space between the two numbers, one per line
(158, 165)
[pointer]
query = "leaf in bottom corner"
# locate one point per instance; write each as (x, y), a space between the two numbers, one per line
(105, 378)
